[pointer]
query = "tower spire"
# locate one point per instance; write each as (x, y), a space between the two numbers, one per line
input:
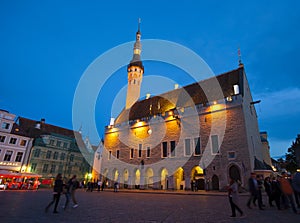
(135, 70)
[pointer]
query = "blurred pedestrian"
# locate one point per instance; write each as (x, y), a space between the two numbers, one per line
(268, 189)
(73, 184)
(296, 187)
(57, 190)
(233, 198)
(287, 191)
(253, 189)
(276, 191)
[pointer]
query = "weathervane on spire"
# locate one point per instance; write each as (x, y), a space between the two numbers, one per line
(240, 58)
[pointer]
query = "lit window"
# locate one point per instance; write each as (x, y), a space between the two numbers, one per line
(19, 157)
(23, 142)
(33, 167)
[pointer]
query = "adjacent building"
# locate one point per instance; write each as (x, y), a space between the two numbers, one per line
(55, 150)
(14, 145)
(192, 137)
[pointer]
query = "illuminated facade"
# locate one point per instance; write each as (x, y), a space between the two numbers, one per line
(14, 145)
(190, 137)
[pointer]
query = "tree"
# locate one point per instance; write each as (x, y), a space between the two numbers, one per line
(291, 157)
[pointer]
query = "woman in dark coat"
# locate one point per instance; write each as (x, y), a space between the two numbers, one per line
(57, 190)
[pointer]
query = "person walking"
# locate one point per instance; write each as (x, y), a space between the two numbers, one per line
(253, 189)
(72, 185)
(259, 180)
(268, 189)
(296, 187)
(287, 191)
(57, 190)
(276, 191)
(233, 198)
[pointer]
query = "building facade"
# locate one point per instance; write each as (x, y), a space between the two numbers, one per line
(194, 137)
(55, 150)
(14, 145)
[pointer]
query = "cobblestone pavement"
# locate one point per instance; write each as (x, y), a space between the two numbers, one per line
(133, 206)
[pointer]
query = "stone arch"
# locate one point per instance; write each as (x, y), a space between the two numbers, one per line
(178, 177)
(164, 179)
(197, 178)
(234, 172)
(149, 178)
(126, 178)
(115, 175)
(137, 178)
(215, 182)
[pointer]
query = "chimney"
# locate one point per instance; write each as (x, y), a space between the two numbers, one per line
(43, 121)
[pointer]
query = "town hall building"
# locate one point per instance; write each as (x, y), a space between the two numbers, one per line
(194, 137)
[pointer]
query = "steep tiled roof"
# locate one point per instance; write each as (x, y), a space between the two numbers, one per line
(196, 93)
(28, 127)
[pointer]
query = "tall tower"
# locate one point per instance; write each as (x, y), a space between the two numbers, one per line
(135, 70)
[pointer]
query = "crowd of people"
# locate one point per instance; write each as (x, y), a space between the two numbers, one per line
(283, 190)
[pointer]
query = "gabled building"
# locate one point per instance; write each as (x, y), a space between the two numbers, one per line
(55, 150)
(196, 136)
(14, 144)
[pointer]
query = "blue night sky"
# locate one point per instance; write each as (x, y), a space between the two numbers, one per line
(46, 46)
